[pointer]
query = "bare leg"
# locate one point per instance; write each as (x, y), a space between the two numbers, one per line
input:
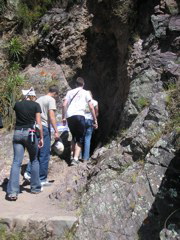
(72, 149)
(78, 148)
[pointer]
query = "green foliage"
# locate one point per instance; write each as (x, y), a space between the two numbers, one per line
(46, 28)
(123, 10)
(155, 136)
(171, 86)
(134, 177)
(26, 16)
(174, 108)
(9, 92)
(29, 12)
(5, 235)
(143, 102)
(15, 48)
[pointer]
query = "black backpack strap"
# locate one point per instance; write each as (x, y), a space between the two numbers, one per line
(73, 97)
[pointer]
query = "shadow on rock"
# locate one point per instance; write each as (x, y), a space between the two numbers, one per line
(165, 211)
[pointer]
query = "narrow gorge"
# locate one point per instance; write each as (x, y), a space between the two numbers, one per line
(128, 53)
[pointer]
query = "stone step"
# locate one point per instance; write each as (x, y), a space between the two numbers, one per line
(37, 227)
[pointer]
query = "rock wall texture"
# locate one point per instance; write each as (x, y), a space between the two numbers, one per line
(131, 191)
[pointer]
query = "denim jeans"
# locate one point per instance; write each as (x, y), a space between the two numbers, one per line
(87, 138)
(21, 141)
(43, 156)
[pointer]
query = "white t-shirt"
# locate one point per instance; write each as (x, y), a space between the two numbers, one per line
(88, 114)
(79, 102)
(47, 103)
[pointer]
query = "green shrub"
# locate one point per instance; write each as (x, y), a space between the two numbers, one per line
(29, 12)
(5, 235)
(9, 93)
(15, 48)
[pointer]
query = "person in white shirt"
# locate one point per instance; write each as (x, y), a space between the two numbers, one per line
(74, 106)
(89, 129)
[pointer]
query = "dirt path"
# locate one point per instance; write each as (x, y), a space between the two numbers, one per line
(31, 204)
(33, 207)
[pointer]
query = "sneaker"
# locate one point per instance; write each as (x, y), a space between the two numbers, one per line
(38, 191)
(74, 162)
(46, 183)
(27, 177)
(12, 197)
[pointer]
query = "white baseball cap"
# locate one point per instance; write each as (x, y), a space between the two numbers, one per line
(29, 92)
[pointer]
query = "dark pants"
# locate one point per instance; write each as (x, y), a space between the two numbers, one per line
(76, 125)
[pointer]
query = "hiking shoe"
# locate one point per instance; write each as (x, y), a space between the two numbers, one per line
(34, 192)
(74, 162)
(12, 196)
(27, 177)
(46, 183)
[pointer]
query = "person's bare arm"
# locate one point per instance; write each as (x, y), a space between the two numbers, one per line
(52, 118)
(91, 107)
(38, 121)
(64, 109)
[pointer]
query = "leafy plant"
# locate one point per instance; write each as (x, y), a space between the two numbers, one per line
(15, 48)
(29, 12)
(9, 92)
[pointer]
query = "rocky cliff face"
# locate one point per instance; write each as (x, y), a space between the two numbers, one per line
(128, 53)
(134, 200)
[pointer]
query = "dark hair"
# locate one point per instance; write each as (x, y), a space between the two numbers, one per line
(80, 81)
(54, 88)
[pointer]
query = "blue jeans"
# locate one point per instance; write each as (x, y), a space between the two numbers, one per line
(21, 141)
(43, 156)
(87, 138)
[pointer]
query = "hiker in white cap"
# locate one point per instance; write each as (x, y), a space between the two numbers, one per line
(48, 107)
(27, 113)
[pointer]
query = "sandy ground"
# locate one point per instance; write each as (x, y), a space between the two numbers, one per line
(34, 205)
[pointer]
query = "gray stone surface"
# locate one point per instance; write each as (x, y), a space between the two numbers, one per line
(38, 227)
(160, 24)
